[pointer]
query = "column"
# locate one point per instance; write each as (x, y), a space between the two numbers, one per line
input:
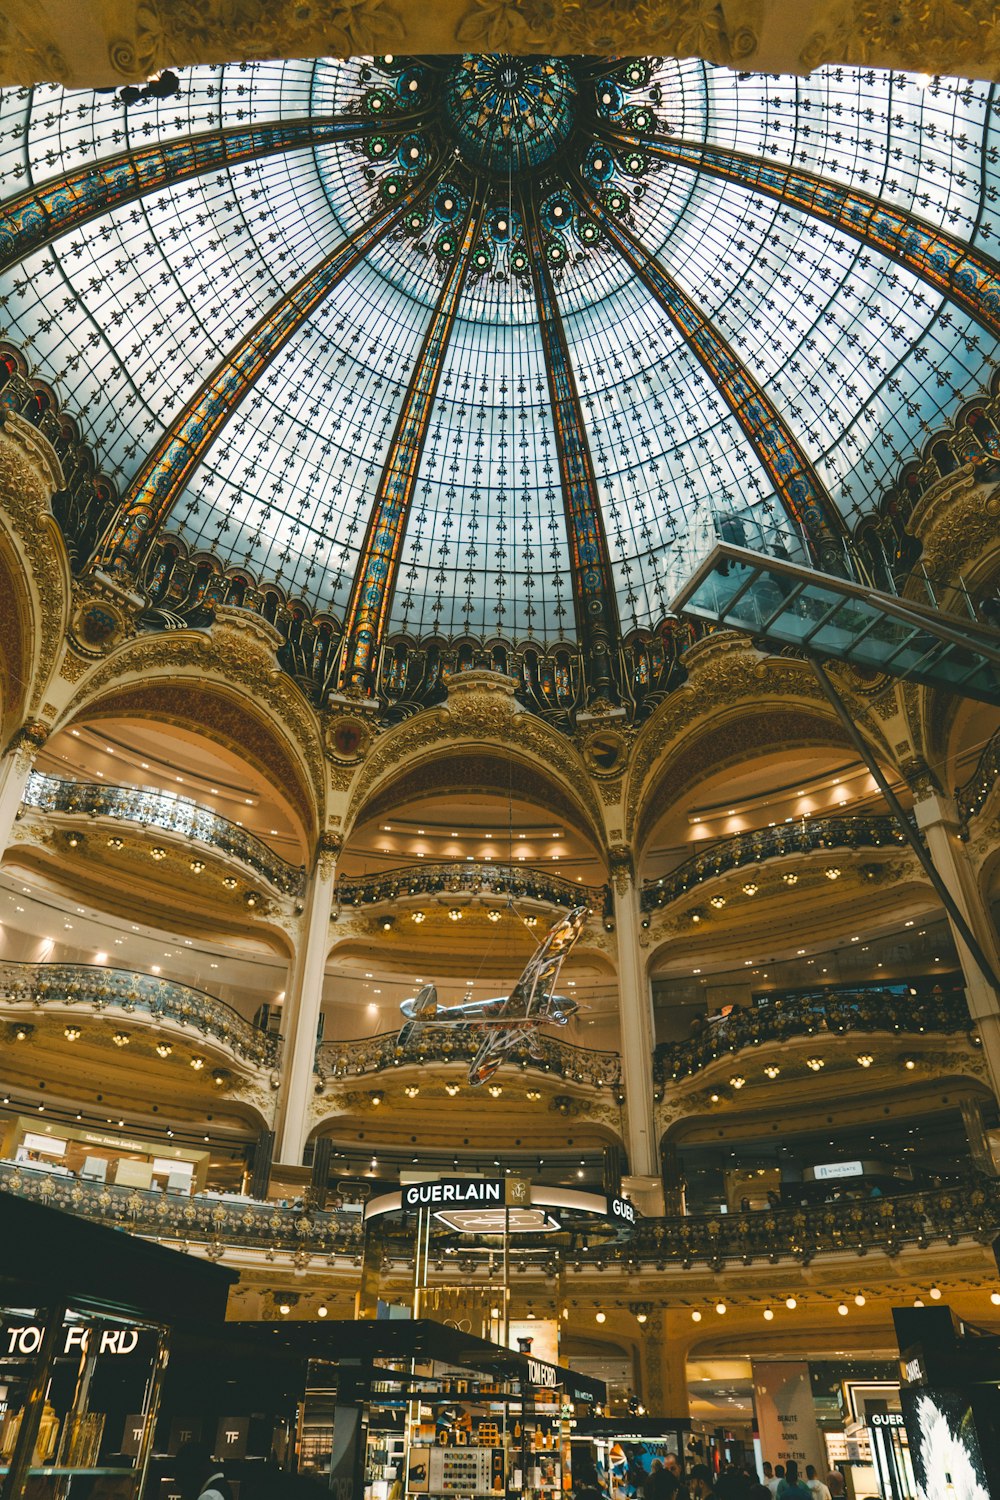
(303, 1000)
(663, 1357)
(938, 821)
(15, 768)
(635, 1011)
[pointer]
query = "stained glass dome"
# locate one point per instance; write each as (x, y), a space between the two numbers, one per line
(488, 345)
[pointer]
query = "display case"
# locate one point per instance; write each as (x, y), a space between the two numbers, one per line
(78, 1397)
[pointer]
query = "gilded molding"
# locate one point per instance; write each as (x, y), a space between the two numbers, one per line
(29, 473)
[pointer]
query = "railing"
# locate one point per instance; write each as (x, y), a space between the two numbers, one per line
(153, 809)
(486, 879)
(204, 1218)
(970, 797)
(837, 1013)
(859, 832)
(851, 1226)
(848, 1227)
(124, 990)
(446, 1044)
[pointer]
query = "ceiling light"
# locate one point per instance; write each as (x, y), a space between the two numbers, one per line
(717, 901)
(789, 878)
(495, 1090)
(230, 882)
(157, 852)
(376, 1098)
(115, 842)
(751, 888)
(164, 1049)
(737, 1081)
(418, 917)
(451, 1089)
(909, 1063)
(859, 1300)
(533, 1095)
(284, 1308)
(832, 873)
(493, 916)
(815, 1063)
(768, 1314)
(197, 865)
(935, 1293)
(772, 1070)
(641, 1317)
(411, 1091)
(455, 914)
(197, 1063)
(321, 1311)
(865, 1059)
(843, 1309)
(791, 1303)
(120, 1038)
(919, 1302)
(720, 1308)
(600, 1317)
(71, 1033)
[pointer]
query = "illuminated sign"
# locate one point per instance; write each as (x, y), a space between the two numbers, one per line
(473, 1192)
(28, 1339)
(621, 1208)
(839, 1169)
(886, 1419)
(539, 1373)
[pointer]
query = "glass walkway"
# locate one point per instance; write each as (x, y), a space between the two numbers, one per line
(784, 604)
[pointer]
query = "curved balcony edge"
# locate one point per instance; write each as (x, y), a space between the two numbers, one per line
(809, 836)
(852, 1228)
(148, 808)
(936, 1013)
(445, 1044)
(49, 985)
(482, 878)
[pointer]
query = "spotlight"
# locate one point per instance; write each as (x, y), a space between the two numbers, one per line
(641, 1317)
(376, 1097)
(219, 1078)
(386, 924)
(284, 1308)
(909, 1063)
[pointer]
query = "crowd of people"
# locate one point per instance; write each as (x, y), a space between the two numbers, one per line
(733, 1481)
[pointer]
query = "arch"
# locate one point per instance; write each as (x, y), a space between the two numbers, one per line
(227, 687)
(480, 717)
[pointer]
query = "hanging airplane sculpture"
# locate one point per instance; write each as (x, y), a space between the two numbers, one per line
(507, 1021)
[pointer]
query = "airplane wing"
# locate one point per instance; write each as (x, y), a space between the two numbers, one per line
(542, 969)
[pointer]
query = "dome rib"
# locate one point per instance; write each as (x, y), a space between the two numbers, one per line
(594, 601)
(378, 566)
(959, 272)
(38, 216)
(807, 502)
(178, 452)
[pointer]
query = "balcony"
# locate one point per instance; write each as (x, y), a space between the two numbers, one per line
(122, 990)
(468, 879)
(172, 814)
(837, 1013)
(231, 1222)
(805, 837)
(452, 1044)
(851, 1227)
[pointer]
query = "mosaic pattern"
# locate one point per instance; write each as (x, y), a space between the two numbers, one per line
(684, 293)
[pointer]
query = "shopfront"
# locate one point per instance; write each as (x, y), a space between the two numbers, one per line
(95, 1155)
(86, 1316)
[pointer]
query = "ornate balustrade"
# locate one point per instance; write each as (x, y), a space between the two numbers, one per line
(971, 796)
(862, 831)
(836, 1013)
(849, 1227)
(453, 1044)
(230, 1223)
(49, 985)
(153, 809)
(485, 879)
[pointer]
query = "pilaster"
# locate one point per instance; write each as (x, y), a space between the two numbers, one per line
(15, 768)
(663, 1364)
(303, 1001)
(938, 820)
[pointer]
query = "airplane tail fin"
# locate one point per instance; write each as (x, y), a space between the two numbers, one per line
(426, 1004)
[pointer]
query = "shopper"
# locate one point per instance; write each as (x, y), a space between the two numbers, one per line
(817, 1488)
(792, 1487)
(215, 1486)
(700, 1484)
(835, 1484)
(773, 1480)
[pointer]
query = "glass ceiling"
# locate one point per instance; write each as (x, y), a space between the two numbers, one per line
(857, 356)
